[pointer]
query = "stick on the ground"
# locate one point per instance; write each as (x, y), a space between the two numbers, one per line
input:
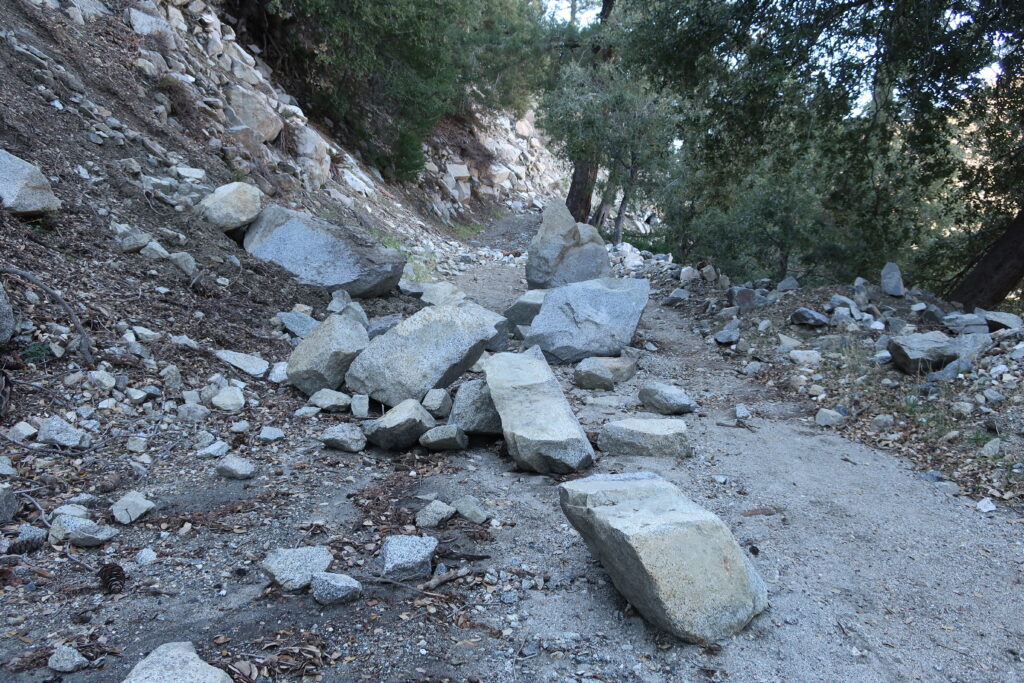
(444, 578)
(85, 341)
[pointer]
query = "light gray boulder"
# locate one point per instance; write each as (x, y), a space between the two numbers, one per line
(996, 320)
(921, 352)
(131, 506)
(297, 323)
(403, 558)
(592, 318)
(232, 466)
(892, 280)
(322, 358)
(321, 253)
(965, 323)
(675, 562)
(24, 190)
(344, 437)
(564, 251)
(445, 438)
(254, 110)
(231, 206)
(293, 568)
(805, 316)
(67, 659)
(541, 431)
(79, 532)
(55, 431)
(473, 410)
(438, 403)
(434, 514)
(400, 427)
(653, 437)
(603, 373)
(247, 363)
(428, 350)
(787, 284)
(7, 321)
(526, 307)
(666, 399)
(330, 401)
(826, 417)
(174, 662)
(334, 589)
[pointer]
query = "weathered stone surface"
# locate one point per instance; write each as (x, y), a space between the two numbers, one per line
(7, 321)
(677, 296)
(666, 399)
(344, 437)
(229, 399)
(249, 364)
(445, 438)
(403, 558)
(921, 352)
(55, 431)
(592, 318)
(297, 323)
(232, 466)
(330, 401)
(826, 417)
(564, 251)
(438, 403)
(526, 307)
(663, 438)
(336, 256)
(603, 373)
(67, 659)
(471, 508)
(293, 568)
(175, 663)
(253, 109)
(231, 206)
(676, 562)
(400, 427)
(787, 285)
(892, 280)
(428, 350)
(433, 514)
(334, 589)
(131, 506)
(473, 410)
(805, 316)
(80, 532)
(965, 323)
(322, 358)
(997, 320)
(541, 431)
(9, 503)
(729, 333)
(24, 190)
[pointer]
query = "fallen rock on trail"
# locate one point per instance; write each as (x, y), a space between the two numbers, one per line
(676, 562)
(321, 360)
(541, 431)
(175, 662)
(24, 190)
(921, 352)
(231, 206)
(892, 280)
(592, 318)
(403, 558)
(526, 307)
(293, 568)
(652, 437)
(564, 251)
(473, 409)
(400, 427)
(604, 373)
(666, 399)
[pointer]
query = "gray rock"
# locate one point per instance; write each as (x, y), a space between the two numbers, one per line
(666, 399)
(214, 450)
(434, 514)
(970, 346)
(746, 299)
(254, 110)
(603, 373)
(231, 206)
(880, 423)
(965, 323)
(193, 412)
(379, 326)
(249, 364)
(7, 321)
(541, 431)
(657, 438)
(232, 466)
(829, 418)
(317, 252)
(592, 318)
(400, 427)
(131, 506)
(344, 437)
(471, 508)
(677, 296)
(360, 405)
(9, 503)
(473, 410)
(564, 251)
(892, 280)
(991, 449)
(7, 468)
(175, 663)
(321, 360)
(428, 350)
(445, 438)
(438, 402)
(805, 316)
(526, 307)
(334, 589)
(229, 399)
(80, 532)
(996, 320)
(330, 401)
(729, 334)
(185, 262)
(55, 431)
(24, 190)
(951, 371)
(921, 352)
(270, 434)
(297, 323)
(403, 558)
(293, 568)
(66, 660)
(787, 285)
(676, 562)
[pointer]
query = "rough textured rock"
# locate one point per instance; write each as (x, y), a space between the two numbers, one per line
(253, 109)
(666, 399)
(297, 323)
(655, 437)
(805, 316)
(231, 206)
(592, 318)
(174, 663)
(921, 352)
(434, 513)
(428, 350)
(403, 558)
(603, 373)
(55, 431)
(131, 506)
(997, 320)
(892, 280)
(81, 532)
(564, 251)
(67, 659)
(24, 190)
(541, 431)
(330, 401)
(249, 364)
(322, 358)
(7, 320)
(445, 438)
(232, 466)
(526, 307)
(344, 437)
(321, 253)
(293, 568)
(334, 589)
(826, 417)
(438, 403)
(675, 562)
(473, 410)
(9, 503)
(400, 427)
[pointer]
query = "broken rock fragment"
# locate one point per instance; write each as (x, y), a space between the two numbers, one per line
(322, 358)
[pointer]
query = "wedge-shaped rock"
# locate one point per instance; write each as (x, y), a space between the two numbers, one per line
(541, 431)
(231, 206)
(473, 410)
(921, 352)
(675, 562)
(526, 307)
(400, 427)
(565, 251)
(24, 190)
(322, 358)
(665, 438)
(428, 350)
(175, 662)
(321, 253)
(602, 372)
(592, 318)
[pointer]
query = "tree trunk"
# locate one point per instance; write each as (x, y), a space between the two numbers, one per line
(581, 190)
(626, 192)
(604, 209)
(997, 273)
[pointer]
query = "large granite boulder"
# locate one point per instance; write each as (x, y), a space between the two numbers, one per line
(254, 109)
(675, 562)
(526, 307)
(428, 350)
(24, 190)
(921, 352)
(231, 206)
(541, 431)
(564, 251)
(592, 318)
(321, 253)
(322, 358)
(473, 410)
